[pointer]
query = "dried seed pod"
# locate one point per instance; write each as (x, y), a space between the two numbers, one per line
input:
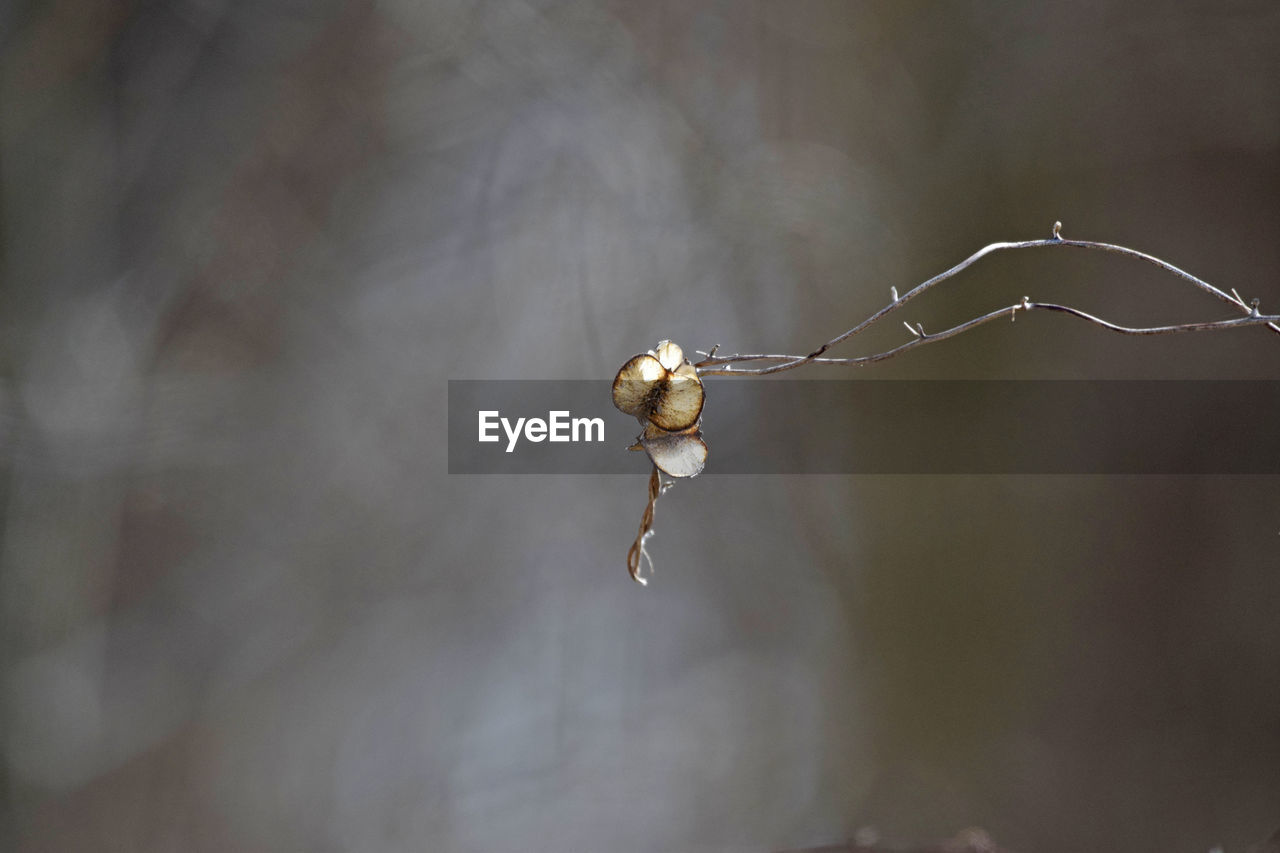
(677, 454)
(660, 387)
(638, 387)
(669, 354)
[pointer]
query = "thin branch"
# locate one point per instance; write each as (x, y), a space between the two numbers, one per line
(637, 556)
(790, 362)
(722, 365)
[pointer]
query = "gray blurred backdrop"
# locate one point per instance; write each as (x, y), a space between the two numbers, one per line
(245, 608)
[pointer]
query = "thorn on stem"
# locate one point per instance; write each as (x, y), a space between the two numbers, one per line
(1057, 230)
(893, 291)
(1025, 305)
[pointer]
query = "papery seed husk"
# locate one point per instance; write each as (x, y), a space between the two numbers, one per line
(639, 385)
(679, 403)
(688, 370)
(670, 355)
(677, 454)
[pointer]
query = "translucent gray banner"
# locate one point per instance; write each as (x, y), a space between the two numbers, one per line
(884, 427)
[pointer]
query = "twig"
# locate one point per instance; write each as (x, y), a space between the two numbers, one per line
(713, 364)
(636, 554)
(721, 365)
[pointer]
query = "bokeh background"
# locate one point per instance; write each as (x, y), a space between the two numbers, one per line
(245, 608)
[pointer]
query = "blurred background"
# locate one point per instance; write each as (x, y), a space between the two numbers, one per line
(243, 606)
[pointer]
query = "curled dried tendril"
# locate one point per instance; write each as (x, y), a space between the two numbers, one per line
(637, 556)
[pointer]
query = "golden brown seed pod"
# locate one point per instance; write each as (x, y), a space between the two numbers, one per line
(639, 385)
(660, 387)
